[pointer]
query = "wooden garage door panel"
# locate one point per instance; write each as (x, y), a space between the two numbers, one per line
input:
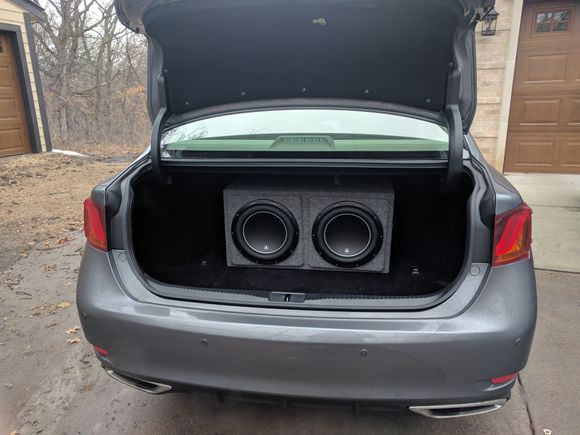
(557, 114)
(570, 153)
(541, 112)
(542, 153)
(5, 78)
(9, 107)
(574, 119)
(546, 68)
(14, 138)
(527, 152)
(544, 124)
(548, 73)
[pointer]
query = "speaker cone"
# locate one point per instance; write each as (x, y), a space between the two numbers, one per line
(265, 232)
(347, 234)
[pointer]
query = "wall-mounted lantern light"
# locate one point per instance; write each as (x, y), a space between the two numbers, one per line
(489, 23)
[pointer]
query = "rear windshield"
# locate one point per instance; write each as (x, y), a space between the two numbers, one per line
(305, 131)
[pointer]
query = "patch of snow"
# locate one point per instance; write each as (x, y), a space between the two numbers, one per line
(69, 153)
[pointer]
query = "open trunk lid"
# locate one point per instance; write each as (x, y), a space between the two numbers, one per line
(416, 53)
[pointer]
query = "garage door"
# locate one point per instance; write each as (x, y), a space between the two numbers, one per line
(14, 137)
(544, 125)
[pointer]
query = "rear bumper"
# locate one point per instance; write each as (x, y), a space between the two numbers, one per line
(405, 360)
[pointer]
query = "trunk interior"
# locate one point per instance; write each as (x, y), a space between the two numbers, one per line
(178, 238)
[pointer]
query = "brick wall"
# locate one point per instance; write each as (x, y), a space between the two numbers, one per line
(492, 61)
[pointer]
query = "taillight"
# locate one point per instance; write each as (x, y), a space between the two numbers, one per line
(512, 236)
(95, 225)
(101, 351)
(503, 379)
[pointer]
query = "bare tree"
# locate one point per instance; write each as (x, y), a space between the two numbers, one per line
(93, 71)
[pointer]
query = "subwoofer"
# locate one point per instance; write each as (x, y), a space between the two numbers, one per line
(265, 232)
(313, 223)
(262, 226)
(347, 234)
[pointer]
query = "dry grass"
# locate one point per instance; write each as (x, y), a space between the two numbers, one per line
(41, 197)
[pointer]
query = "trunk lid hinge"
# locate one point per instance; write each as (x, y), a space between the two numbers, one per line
(156, 134)
(157, 131)
(455, 125)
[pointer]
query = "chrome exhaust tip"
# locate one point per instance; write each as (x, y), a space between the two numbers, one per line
(459, 410)
(140, 384)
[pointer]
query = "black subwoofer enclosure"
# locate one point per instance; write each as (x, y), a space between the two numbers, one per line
(316, 223)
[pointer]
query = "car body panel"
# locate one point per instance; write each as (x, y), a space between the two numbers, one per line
(400, 357)
(282, 49)
(505, 195)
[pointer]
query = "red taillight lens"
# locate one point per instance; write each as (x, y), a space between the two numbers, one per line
(503, 379)
(95, 225)
(512, 236)
(101, 351)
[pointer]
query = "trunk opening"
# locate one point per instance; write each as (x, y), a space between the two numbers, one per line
(178, 238)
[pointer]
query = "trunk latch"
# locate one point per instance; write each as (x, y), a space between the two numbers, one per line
(296, 298)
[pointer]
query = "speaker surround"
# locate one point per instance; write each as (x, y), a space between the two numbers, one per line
(347, 234)
(265, 232)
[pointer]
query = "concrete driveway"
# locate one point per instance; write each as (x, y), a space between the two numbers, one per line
(48, 385)
(51, 386)
(555, 199)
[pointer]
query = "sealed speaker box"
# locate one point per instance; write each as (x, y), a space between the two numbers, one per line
(311, 224)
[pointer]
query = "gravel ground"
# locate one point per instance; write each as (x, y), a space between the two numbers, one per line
(41, 198)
